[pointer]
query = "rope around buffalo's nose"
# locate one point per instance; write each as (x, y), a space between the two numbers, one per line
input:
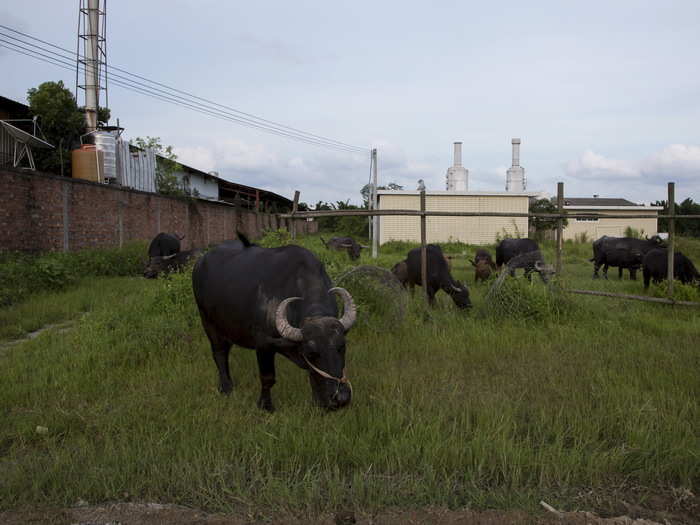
(343, 380)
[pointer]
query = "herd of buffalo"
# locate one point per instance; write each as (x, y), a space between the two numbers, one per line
(281, 300)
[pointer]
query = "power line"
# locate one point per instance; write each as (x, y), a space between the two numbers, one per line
(230, 114)
(130, 87)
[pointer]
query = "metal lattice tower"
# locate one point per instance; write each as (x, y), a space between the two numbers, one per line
(92, 37)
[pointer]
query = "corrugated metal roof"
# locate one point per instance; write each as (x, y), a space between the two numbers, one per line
(595, 201)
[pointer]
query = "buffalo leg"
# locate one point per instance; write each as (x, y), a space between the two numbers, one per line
(647, 276)
(633, 274)
(266, 366)
(605, 271)
(220, 351)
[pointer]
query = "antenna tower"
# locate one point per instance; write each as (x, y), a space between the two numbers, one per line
(92, 37)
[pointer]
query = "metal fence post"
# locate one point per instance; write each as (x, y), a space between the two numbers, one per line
(423, 252)
(373, 205)
(295, 205)
(560, 224)
(671, 205)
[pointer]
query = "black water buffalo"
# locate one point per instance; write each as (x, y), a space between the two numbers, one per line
(483, 265)
(164, 244)
(169, 263)
(507, 249)
(400, 271)
(655, 267)
(439, 277)
(275, 300)
(622, 252)
(347, 244)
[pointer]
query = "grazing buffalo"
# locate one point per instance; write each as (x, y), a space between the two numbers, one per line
(400, 270)
(483, 265)
(655, 267)
(169, 263)
(439, 277)
(347, 244)
(275, 300)
(164, 244)
(507, 249)
(623, 252)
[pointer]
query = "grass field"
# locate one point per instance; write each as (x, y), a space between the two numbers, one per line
(575, 400)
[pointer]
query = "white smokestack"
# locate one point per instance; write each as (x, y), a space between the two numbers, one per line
(516, 152)
(457, 176)
(515, 176)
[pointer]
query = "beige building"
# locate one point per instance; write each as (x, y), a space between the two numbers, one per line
(471, 230)
(595, 228)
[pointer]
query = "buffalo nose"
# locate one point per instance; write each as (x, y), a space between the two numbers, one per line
(341, 398)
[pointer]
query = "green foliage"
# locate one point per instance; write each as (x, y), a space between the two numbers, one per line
(684, 227)
(634, 233)
(23, 274)
(681, 292)
(518, 298)
(167, 183)
(60, 120)
(367, 188)
(357, 227)
(273, 238)
(541, 224)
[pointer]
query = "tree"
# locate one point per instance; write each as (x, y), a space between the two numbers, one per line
(684, 227)
(365, 191)
(61, 121)
(167, 182)
(542, 224)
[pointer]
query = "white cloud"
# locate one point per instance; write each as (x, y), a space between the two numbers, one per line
(590, 165)
(676, 161)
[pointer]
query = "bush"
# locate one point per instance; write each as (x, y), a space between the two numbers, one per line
(22, 274)
(518, 298)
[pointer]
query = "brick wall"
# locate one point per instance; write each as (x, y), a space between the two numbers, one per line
(42, 212)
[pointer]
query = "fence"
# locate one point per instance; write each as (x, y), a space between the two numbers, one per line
(559, 216)
(136, 169)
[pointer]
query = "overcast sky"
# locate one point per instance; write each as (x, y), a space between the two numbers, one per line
(605, 95)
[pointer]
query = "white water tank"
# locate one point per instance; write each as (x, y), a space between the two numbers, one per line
(107, 144)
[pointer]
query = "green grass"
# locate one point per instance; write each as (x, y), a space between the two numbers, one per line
(450, 408)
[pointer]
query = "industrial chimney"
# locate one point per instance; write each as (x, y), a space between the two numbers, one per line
(457, 176)
(515, 176)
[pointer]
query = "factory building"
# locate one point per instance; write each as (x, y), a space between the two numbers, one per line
(457, 197)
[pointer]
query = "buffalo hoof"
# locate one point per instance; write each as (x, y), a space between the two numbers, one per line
(226, 388)
(596, 276)
(266, 404)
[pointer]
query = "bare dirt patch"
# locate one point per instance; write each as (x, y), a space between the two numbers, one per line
(155, 513)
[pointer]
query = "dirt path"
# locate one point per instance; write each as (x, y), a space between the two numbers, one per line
(154, 513)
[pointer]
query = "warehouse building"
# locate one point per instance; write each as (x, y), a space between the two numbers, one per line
(593, 228)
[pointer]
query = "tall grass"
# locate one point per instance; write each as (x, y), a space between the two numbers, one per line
(450, 407)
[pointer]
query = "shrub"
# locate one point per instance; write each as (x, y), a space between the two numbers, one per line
(22, 274)
(518, 298)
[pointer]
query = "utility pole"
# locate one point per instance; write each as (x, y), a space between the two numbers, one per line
(375, 219)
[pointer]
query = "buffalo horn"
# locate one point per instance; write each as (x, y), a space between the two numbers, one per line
(455, 288)
(165, 257)
(349, 308)
(539, 266)
(286, 330)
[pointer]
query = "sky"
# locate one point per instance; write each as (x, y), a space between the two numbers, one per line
(605, 95)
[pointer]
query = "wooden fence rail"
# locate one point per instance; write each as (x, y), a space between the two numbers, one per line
(560, 216)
